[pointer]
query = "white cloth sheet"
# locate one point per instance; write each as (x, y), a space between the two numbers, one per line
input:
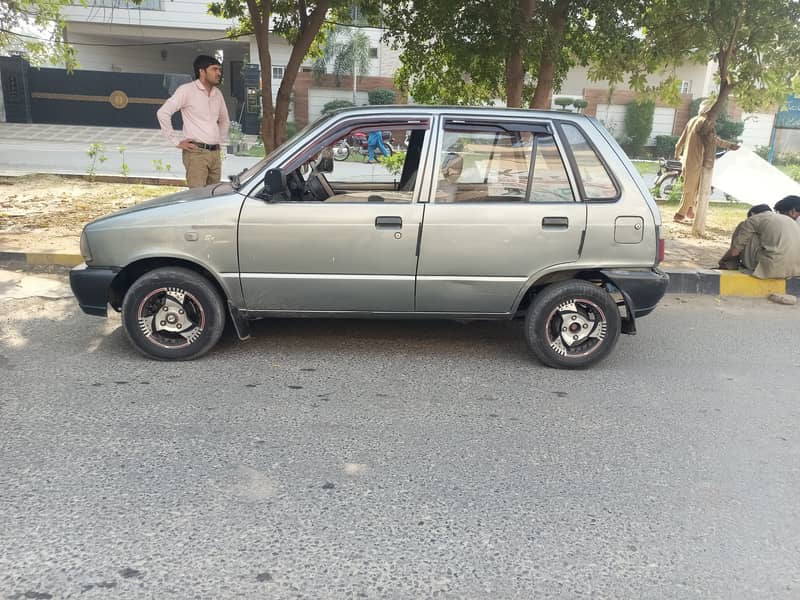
(749, 178)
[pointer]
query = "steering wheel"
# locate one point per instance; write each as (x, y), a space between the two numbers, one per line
(317, 189)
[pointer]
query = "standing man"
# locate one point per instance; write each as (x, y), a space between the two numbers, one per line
(375, 140)
(696, 149)
(205, 122)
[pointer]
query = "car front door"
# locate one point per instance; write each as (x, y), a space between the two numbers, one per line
(348, 243)
(503, 208)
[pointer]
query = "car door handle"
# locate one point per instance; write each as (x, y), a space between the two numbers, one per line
(555, 222)
(388, 222)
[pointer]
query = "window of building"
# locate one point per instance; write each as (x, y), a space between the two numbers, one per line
(686, 87)
(278, 72)
(373, 53)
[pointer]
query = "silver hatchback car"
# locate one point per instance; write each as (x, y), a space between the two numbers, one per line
(486, 214)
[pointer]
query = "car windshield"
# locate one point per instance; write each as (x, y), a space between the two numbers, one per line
(247, 174)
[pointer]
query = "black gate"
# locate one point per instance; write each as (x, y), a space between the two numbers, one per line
(85, 97)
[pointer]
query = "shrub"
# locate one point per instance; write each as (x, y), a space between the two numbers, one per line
(762, 151)
(580, 104)
(794, 172)
(394, 163)
(381, 96)
(291, 129)
(676, 192)
(638, 125)
(563, 103)
(335, 105)
(665, 146)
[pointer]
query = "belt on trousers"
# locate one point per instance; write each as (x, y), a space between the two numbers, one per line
(203, 146)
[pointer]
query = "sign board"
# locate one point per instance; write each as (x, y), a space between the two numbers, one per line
(789, 117)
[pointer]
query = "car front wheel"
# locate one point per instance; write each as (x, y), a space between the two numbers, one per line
(572, 325)
(173, 314)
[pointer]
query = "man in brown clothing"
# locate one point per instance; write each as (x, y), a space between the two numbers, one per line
(768, 244)
(696, 149)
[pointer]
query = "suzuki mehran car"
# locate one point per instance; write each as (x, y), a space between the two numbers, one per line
(488, 214)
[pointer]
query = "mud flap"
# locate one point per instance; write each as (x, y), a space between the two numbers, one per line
(240, 324)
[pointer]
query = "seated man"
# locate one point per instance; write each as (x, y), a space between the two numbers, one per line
(767, 244)
(732, 263)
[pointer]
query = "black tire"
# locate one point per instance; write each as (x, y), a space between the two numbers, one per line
(572, 309)
(194, 314)
(665, 187)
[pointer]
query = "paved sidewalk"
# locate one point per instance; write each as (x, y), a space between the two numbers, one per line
(62, 149)
(86, 134)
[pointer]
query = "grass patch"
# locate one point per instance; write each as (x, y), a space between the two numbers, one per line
(646, 167)
(721, 219)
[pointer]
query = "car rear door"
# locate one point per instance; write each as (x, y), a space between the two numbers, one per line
(502, 207)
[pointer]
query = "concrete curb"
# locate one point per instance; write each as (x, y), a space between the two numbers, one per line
(133, 179)
(728, 283)
(681, 281)
(42, 258)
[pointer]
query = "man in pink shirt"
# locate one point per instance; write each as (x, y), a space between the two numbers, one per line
(205, 122)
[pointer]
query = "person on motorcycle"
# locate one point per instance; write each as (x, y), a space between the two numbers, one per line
(375, 139)
(696, 149)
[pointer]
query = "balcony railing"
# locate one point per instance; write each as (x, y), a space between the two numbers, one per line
(125, 4)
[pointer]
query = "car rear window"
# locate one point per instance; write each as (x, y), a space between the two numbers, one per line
(597, 183)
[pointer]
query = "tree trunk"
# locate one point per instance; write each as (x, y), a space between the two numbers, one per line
(724, 59)
(543, 95)
(260, 12)
(308, 31)
(515, 66)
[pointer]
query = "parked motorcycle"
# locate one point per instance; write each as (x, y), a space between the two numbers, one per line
(358, 142)
(668, 172)
(666, 176)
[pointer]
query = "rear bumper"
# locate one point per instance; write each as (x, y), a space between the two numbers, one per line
(91, 286)
(642, 288)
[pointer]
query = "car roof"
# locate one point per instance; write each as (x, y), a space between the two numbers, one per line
(426, 109)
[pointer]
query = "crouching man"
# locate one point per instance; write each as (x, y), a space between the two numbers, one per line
(767, 244)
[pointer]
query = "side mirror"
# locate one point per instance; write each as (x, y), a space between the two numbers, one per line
(274, 183)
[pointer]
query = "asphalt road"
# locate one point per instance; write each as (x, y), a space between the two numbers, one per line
(345, 459)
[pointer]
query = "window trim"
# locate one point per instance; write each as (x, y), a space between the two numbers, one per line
(537, 128)
(574, 164)
(335, 131)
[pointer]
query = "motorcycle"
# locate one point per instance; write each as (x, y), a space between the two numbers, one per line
(666, 176)
(358, 140)
(668, 172)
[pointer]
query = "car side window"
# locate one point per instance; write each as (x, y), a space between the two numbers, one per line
(490, 165)
(367, 163)
(550, 180)
(597, 183)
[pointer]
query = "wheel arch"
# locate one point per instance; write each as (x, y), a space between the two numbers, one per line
(595, 276)
(134, 270)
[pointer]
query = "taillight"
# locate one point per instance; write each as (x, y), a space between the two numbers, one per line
(660, 257)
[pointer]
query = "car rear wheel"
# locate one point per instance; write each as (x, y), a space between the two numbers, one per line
(572, 325)
(173, 314)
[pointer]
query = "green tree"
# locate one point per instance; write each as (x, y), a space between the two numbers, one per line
(473, 51)
(346, 49)
(754, 43)
(36, 16)
(297, 21)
